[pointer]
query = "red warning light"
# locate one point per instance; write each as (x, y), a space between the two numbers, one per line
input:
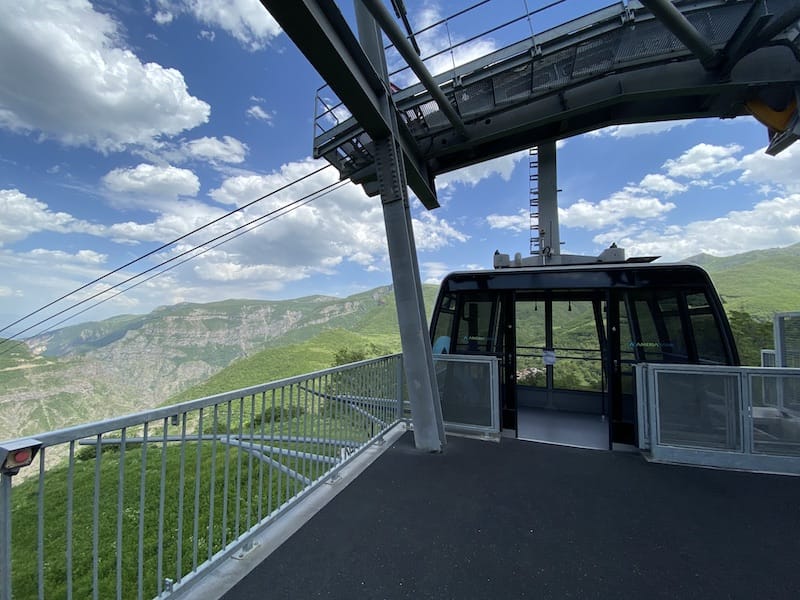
(22, 457)
(16, 454)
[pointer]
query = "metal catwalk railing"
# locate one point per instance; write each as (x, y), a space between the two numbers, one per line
(730, 417)
(147, 505)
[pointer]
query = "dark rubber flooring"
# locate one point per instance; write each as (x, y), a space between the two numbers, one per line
(525, 520)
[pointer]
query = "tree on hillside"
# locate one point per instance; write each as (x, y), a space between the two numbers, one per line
(346, 355)
(751, 335)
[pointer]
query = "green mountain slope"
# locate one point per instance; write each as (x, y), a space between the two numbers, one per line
(760, 283)
(377, 334)
(133, 362)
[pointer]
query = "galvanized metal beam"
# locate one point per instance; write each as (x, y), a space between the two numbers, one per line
(321, 33)
(395, 35)
(423, 390)
(548, 200)
(673, 19)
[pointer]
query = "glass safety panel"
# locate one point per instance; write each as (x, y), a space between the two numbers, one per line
(699, 410)
(468, 392)
(776, 414)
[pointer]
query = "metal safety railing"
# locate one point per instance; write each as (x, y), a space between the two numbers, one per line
(730, 417)
(147, 505)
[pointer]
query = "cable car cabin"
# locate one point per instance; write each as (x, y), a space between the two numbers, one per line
(567, 338)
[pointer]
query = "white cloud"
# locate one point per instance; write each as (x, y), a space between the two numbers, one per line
(65, 73)
(771, 223)
(343, 225)
(153, 181)
(773, 172)
(434, 272)
(704, 160)
(215, 150)
(655, 182)
(518, 223)
(176, 219)
(433, 233)
(256, 112)
(85, 257)
(628, 203)
(502, 166)
(637, 129)
(32, 280)
(22, 216)
(218, 268)
(245, 20)
(163, 17)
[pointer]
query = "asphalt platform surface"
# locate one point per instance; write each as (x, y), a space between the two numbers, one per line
(524, 520)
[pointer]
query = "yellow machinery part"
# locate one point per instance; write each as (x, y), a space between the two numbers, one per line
(776, 120)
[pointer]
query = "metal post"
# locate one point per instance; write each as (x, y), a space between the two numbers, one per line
(423, 391)
(399, 387)
(5, 536)
(550, 244)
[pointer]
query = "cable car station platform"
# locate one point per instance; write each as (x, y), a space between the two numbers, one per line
(523, 520)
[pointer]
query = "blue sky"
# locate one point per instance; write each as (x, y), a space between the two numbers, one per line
(124, 127)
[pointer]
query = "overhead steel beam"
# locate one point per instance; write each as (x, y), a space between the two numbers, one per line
(778, 24)
(395, 35)
(673, 19)
(321, 33)
(745, 39)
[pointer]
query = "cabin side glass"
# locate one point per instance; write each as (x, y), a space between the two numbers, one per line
(477, 325)
(707, 335)
(677, 326)
(444, 317)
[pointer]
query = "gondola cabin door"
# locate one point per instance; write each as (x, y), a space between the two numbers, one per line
(562, 365)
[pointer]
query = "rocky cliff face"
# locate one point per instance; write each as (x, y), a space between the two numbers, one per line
(99, 370)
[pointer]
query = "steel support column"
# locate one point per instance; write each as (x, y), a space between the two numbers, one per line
(423, 391)
(550, 244)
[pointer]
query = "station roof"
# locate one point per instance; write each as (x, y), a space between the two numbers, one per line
(632, 62)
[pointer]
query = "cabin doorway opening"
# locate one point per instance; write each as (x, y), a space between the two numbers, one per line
(560, 354)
